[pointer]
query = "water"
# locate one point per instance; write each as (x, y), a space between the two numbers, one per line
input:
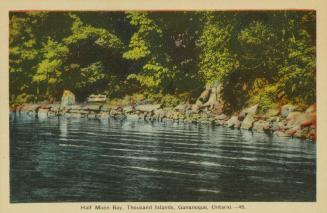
(67, 160)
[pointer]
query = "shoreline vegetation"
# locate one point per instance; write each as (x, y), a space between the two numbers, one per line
(253, 70)
(285, 121)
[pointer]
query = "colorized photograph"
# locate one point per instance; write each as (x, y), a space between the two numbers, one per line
(162, 106)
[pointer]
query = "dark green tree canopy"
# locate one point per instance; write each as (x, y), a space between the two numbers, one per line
(258, 56)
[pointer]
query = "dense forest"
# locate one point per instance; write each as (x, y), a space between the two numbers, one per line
(257, 56)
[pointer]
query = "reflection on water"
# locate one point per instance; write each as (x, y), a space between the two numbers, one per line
(56, 160)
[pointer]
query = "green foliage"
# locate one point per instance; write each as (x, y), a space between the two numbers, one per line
(258, 57)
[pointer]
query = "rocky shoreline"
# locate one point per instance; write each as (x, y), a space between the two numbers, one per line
(283, 122)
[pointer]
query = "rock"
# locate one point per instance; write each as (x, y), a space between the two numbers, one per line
(43, 113)
(83, 112)
(204, 96)
(218, 108)
(76, 115)
(159, 113)
(195, 108)
(115, 112)
(105, 108)
(52, 114)
(300, 119)
(147, 107)
(67, 99)
(233, 122)
(92, 107)
(74, 111)
(247, 123)
(286, 109)
(221, 117)
(128, 109)
(120, 116)
(75, 107)
(54, 107)
(292, 131)
(30, 108)
(220, 122)
(133, 117)
(260, 126)
(281, 134)
(274, 125)
(249, 111)
(311, 109)
(103, 115)
(92, 116)
(45, 106)
(181, 107)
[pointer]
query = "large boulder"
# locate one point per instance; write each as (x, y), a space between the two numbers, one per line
(147, 107)
(67, 99)
(247, 123)
(297, 119)
(233, 122)
(287, 109)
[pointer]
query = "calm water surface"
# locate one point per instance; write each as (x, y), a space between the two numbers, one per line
(62, 160)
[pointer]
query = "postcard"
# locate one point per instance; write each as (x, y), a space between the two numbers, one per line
(179, 106)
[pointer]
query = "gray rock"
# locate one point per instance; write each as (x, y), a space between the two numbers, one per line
(75, 107)
(42, 113)
(52, 114)
(128, 109)
(132, 117)
(76, 115)
(114, 112)
(286, 109)
(103, 115)
(274, 125)
(92, 107)
(160, 113)
(92, 116)
(147, 107)
(105, 108)
(247, 123)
